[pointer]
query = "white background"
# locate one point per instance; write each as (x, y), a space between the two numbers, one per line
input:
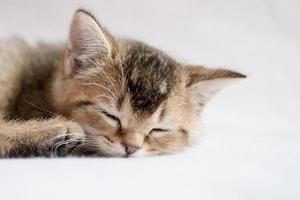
(250, 144)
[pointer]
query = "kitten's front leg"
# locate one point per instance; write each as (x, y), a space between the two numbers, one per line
(39, 138)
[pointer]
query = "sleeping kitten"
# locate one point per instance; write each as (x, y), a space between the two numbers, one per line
(99, 94)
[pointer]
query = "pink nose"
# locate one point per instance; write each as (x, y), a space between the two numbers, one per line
(129, 148)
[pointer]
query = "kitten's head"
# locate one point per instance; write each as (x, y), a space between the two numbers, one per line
(130, 98)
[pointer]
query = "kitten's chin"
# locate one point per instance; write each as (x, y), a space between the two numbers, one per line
(115, 155)
(137, 154)
(102, 148)
(110, 152)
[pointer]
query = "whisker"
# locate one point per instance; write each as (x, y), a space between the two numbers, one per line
(42, 109)
(105, 88)
(57, 145)
(107, 97)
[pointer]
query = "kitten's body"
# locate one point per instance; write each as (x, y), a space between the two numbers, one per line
(26, 75)
(25, 108)
(43, 88)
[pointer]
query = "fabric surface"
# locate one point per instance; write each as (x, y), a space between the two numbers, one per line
(250, 144)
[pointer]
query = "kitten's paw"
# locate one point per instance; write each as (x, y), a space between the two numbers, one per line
(68, 137)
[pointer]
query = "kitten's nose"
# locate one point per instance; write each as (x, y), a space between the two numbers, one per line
(129, 148)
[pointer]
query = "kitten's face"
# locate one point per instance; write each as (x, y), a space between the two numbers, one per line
(131, 99)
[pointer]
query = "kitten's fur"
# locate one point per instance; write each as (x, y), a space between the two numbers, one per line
(116, 97)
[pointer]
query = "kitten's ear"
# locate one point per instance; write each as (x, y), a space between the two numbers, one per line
(87, 41)
(206, 82)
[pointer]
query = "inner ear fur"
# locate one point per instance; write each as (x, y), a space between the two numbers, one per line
(206, 82)
(88, 41)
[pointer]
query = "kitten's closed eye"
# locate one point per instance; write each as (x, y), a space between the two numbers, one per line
(110, 116)
(158, 130)
(99, 109)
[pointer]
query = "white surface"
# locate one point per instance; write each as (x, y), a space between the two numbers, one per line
(250, 148)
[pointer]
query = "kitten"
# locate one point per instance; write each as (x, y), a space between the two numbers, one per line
(99, 94)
